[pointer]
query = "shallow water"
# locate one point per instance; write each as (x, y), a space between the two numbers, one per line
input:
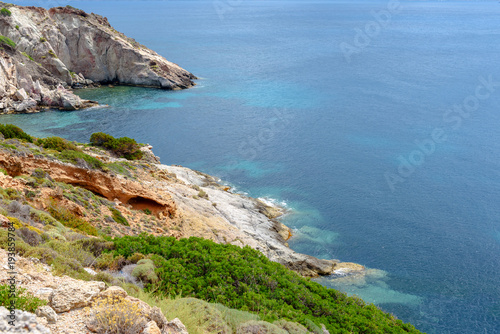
(280, 113)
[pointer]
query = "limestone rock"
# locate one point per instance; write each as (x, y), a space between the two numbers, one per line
(74, 295)
(114, 292)
(25, 323)
(175, 327)
(90, 271)
(157, 316)
(44, 293)
(21, 94)
(27, 105)
(48, 313)
(73, 41)
(151, 328)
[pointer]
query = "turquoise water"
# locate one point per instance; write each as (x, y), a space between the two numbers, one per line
(281, 112)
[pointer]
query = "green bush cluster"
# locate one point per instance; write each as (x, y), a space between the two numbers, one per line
(12, 131)
(5, 12)
(123, 147)
(243, 279)
(145, 271)
(56, 143)
(24, 300)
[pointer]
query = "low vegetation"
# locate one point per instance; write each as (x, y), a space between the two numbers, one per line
(69, 219)
(211, 288)
(5, 12)
(243, 279)
(23, 300)
(56, 143)
(12, 131)
(123, 147)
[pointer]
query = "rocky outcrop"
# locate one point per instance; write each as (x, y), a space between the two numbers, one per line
(27, 87)
(113, 187)
(78, 294)
(47, 51)
(25, 323)
(184, 203)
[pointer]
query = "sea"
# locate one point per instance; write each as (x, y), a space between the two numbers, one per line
(376, 123)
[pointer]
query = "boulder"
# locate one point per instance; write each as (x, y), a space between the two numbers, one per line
(21, 94)
(26, 105)
(175, 327)
(44, 293)
(48, 313)
(114, 292)
(151, 328)
(25, 323)
(157, 316)
(74, 295)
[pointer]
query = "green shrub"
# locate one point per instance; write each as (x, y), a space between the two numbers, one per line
(43, 39)
(100, 139)
(145, 271)
(105, 261)
(136, 257)
(5, 12)
(56, 143)
(12, 131)
(80, 158)
(17, 26)
(24, 300)
(123, 147)
(118, 217)
(104, 277)
(69, 219)
(243, 279)
(52, 54)
(94, 246)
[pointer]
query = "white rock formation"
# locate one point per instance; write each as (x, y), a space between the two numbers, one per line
(62, 47)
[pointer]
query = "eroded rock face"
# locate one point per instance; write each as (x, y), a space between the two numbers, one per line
(62, 47)
(109, 186)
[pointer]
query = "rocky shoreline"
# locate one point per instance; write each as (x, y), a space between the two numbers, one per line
(45, 53)
(181, 202)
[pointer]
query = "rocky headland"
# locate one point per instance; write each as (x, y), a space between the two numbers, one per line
(156, 199)
(45, 53)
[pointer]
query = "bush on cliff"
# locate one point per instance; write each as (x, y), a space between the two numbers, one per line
(244, 279)
(123, 147)
(7, 41)
(12, 131)
(5, 12)
(56, 143)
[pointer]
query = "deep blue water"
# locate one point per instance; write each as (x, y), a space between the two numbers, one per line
(280, 112)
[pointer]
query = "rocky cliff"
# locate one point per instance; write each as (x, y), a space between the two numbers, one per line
(43, 53)
(152, 198)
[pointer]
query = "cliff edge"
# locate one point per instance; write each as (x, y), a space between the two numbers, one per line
(43, 53)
